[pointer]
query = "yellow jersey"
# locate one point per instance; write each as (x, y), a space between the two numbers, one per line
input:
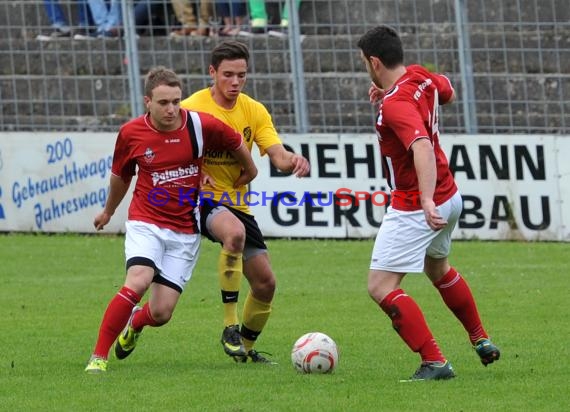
(252, 120)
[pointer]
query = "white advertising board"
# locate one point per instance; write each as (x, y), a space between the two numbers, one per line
(513, 186)
(56, 182)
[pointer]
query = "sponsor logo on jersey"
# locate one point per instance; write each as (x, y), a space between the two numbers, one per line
(168, 176)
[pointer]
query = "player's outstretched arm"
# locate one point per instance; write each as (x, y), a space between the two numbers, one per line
(287, 161)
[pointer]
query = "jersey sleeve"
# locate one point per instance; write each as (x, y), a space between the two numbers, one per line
(124, 165)
(444, 87)
(403, 118)
(218, 135)
(265, 133)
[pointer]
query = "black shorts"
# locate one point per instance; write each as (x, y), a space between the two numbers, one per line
(253, 236)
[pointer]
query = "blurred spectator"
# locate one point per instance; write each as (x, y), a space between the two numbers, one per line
(192, 26)
(260, 19)
(107, 17)
(152, 16)
(59, 24)
(155, 16)
(233, 14)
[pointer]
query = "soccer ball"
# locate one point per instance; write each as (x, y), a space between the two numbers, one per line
(314, 352)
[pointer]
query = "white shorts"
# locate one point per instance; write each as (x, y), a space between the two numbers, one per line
(174, 254)
(404, 238)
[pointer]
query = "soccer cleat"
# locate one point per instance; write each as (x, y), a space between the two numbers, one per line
(128, 339)
(432, 371)
(231, 341)
(254, 357)
(487, 351)
(96, 365)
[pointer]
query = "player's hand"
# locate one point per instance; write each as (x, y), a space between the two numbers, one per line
(433, 218)
(375, 94)
(207, 180)
(101, 220)
(301, 166)
(245, 177)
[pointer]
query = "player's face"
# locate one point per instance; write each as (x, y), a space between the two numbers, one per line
(164, 107)
(229, 79)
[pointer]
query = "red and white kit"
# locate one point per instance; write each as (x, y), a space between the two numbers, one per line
(409, 111)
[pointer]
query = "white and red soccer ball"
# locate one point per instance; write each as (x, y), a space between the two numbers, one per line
(314, 352)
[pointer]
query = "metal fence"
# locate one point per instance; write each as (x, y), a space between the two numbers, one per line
(509, 61)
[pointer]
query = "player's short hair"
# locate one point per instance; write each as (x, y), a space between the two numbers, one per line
(229, 50)
(384, 43)
(158, 76)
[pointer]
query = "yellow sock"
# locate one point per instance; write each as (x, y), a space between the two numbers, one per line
(255, 315)
(230, 269)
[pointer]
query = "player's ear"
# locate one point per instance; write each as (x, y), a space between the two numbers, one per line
(375, 62)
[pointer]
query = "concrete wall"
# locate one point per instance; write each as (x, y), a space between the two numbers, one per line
(83, 84)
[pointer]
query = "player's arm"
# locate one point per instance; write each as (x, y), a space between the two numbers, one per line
(117, 190)
(287, 161)
(405, 120)
(268, 142)
(249, 170)
(444, 88)
(424, 163)
(223, 137)
(451, 97)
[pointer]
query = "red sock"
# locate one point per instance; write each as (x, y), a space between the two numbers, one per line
(114, 320)
(409, 322)
(457, 296)
(143, 318)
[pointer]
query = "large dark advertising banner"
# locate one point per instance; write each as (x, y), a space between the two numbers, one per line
(513, 187)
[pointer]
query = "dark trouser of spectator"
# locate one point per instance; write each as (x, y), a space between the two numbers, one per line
(60, 26)
(233, 14)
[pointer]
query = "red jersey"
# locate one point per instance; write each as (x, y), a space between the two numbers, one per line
(169, 166)
(409, 111)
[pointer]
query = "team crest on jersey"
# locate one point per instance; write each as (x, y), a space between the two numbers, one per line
(148, 155)
(247, 134)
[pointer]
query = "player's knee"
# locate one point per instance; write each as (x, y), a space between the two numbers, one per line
(162, 316)
(372, 292)
(234, 238)
(138, 280)
(264, 287)
(270, 284)
(377, 290)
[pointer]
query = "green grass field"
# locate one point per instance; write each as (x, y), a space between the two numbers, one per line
(54, 290)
